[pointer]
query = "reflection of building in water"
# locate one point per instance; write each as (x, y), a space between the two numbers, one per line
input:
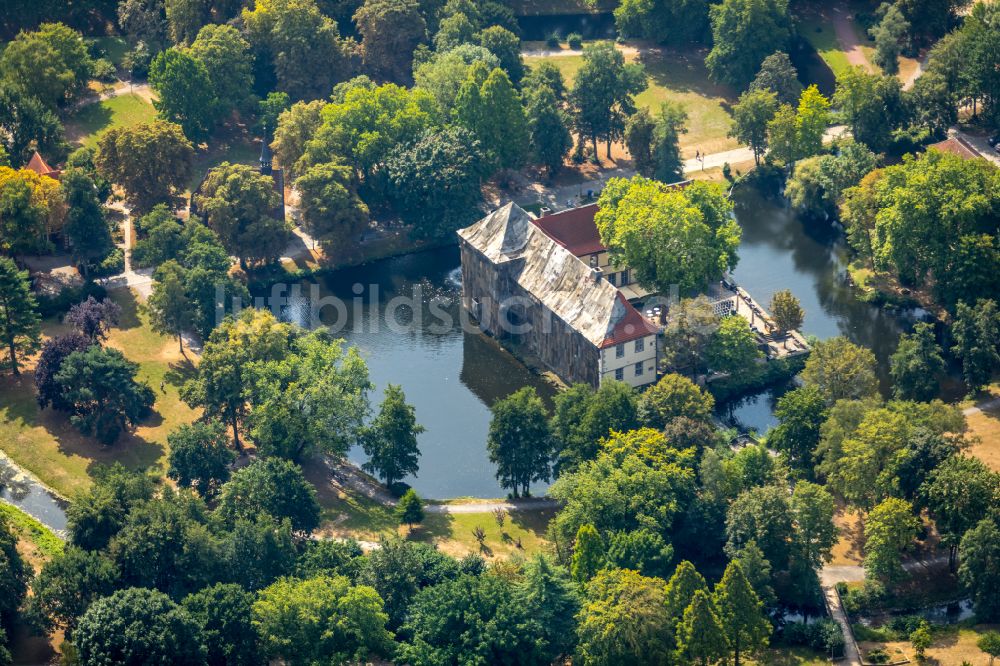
(526, 288)
(490, 373)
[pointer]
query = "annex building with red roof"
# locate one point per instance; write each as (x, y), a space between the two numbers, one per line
(532, 283)
(38, 164)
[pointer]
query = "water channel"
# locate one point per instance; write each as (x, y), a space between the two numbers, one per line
(452, 377)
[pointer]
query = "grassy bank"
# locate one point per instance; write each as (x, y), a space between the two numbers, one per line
(677, 76)
(92, 121)
(41, 538)
(46, 444)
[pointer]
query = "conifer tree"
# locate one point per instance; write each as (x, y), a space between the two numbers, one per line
(700, 635)
(588, 554)
(19, 321)
(741, 612)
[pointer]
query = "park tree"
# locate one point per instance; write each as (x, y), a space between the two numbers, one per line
(200, 456)
(144, 24)
(959, 493)
(548, 128)
(751, 116)
(622, 492)
(223, 613)
(445, 72)
(690, 324)
(673, 397)
(302, 45)
(472, 617)
(85, 228)
(391, 440)
(436, 181)
(603, 94)
(588, 554)
(271, 107)
(135, 626)
(976, 331)
(744, 33)
(732, 349)
(28, 125)
(639, 129)
(169, 308)
(272, 486)
(184, 18)
(978, 571)
(31, 209)
(801, 413)
(786, 311)
(679, 592)
(989, 642)
(98, 514)
(741, 613)
(841, 370)
(69, 583)
(238, 203)
(14, 576)
(295, 127)
(872, 105)
(255, 336)
(94, 319)
(670, 238)
(324, 618)
(390, 31)
(50, 63)
(622, 620)
(582, 417)
(20, 330)
(454, 29)
(410, 509)
(50, 360)
(399, 569)
(106, 400)
(489, 106)
(668, 166)
(795, 133)
(812, 509)
(778, 75)
(519, 441)
(889, 35)
(314, 399)
(149, 161)
(185, 94)
(890, 530)
(506, 46)
(762, 515)
(259, 550)
(225, 55)
(330, 206)
(701, 637)
(369, 125)
(548, 591)
(917, 365)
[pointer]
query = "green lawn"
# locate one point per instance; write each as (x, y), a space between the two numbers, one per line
(112, 48)
(88, 124)
(47, 445)
(821, 36)
(678, 76)
(26, 527)
(792, 656)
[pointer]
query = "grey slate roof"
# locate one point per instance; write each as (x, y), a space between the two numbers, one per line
(549, 272)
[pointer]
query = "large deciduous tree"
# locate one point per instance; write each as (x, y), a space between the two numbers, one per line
(301, 44)
(390, 31)
(331, 209)
(841, 370)
(519, 441)
(436, 182)
(751, 116)
(890, 530)
(51, 63)
(917, 365)
(391, 440)
(225, 54)
(603, 94)
(200, 456)
(239, 204)
(150, 161)
(185, 94)
(670, 238)
(101, 386)
(978, 570)
(271, 486)
(744, 33)
(135, 626)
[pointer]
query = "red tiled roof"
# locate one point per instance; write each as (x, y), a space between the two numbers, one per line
(38, 165)
(631, 327)
(574, 229)
(956, 146)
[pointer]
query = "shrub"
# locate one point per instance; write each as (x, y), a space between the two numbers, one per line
(552, 41)
(51, 305)
(575, 41)
(113, 264)
(878, 656)
(823, 636)
(104, 70)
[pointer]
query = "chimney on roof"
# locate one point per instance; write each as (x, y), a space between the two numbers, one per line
(597, 274)
(545, 210)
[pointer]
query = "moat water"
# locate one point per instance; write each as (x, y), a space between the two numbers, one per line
(453, 377)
